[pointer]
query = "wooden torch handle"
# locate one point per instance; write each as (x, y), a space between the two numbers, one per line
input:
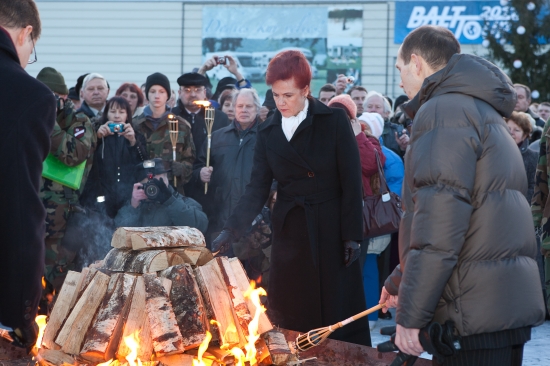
(358, 316)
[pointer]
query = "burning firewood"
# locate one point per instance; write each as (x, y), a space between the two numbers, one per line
(216, 298)
(119, 260)
(55, 357)
(176, 360)
(155, 237)
(277, 345)
(63, 305)
(73, 331)
(187, 304)
(165, 333)
(103, 337)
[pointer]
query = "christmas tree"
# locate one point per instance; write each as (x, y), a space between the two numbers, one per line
(519, 41)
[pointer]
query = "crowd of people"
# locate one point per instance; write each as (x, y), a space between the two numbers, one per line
(281, 181)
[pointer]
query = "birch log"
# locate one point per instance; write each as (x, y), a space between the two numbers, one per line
(160, 236)
(119, 260)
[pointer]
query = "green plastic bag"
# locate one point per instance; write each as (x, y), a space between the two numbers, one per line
(70, 176)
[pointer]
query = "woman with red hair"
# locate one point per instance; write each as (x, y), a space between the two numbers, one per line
(310, 150)
(133, 95)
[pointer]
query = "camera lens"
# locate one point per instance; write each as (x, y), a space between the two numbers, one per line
(151, 191)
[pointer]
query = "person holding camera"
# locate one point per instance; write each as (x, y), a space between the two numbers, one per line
(155, 203)
(153, 124)
(119, 149)
(73, 141)
(238, 82)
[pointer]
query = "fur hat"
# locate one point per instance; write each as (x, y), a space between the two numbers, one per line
(53, 80)
(345, 102)
(157, 79)
(375, 122)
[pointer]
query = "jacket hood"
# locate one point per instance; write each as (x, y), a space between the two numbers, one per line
(7, 46)
(470, 75)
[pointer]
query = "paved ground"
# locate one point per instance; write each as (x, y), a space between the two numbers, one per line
(536, 353)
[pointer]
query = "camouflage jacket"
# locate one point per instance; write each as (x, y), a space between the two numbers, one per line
(73, 140)
(540, 206)
(160, 146)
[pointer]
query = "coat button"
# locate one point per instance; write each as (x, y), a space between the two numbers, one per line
(27, 316)
(28, 309)
(310, 174)
(28, 303)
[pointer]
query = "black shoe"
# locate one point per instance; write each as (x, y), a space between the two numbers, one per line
(385, 316)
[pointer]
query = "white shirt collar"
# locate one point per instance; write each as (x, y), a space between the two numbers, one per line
(290, 124)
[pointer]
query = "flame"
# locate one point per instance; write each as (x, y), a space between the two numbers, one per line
(41, 321)
(239, 356)
(43, 282)
(132, 342)
(202, 103)
(106, 363)
(202, 349)
(254, 294)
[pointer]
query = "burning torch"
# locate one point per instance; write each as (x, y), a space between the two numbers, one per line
(209, 122)
(173, 125)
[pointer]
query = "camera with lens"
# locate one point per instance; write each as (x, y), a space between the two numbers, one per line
(221, 60)
(116, 127)
(350, 80)
(151, 189)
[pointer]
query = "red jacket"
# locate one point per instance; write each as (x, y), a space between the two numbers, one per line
(368, 159)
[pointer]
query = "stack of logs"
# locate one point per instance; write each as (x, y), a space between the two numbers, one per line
(164, 285)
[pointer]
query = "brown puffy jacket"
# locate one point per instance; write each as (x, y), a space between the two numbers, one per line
(466, 241)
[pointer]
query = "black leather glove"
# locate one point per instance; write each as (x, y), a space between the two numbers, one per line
(26, 336)
(223, 242)
(352, 251)
(164, 191)
(440, 340)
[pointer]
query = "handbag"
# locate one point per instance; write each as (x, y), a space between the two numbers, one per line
(381, 212)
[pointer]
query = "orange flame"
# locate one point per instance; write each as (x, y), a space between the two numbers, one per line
(41, 321)
(106, 363)
(43, 282)
(202, 348)
(239, 356)
(132, 342)
(202, 103)
(254, 294)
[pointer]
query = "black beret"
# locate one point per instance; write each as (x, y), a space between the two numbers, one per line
(193, 79)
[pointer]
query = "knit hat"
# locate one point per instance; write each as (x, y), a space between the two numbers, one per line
(157, 79)
(345, 102)
(224, 84)
(53, 80)
(193, 79)
(72, 94)
(79, 83)
(269, 102)
(375, 122)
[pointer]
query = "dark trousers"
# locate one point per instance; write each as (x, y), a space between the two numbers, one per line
(507, 356)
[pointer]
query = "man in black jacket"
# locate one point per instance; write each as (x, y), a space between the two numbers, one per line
(28, 116)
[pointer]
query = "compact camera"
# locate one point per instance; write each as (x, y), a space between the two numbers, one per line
(116, 127)
(151, 189)
(350, 80)
(221, 60)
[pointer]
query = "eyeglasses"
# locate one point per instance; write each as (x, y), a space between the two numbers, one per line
(195, 89)
(31, 60)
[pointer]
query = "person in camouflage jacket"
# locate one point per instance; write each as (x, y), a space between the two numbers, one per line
(540, 208)
(73, 141)
(153, 124)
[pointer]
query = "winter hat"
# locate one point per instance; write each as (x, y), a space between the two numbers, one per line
(193, 79)
(400, 100)
(53, 80)
(154, 166)
(345, 102)
(269, 102)
(224, 84)
(79, 82)
(72, 94)
(375, 122)
(157, 79)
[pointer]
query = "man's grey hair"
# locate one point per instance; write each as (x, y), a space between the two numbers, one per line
(387, 106)
(250, 91)
(92, 76)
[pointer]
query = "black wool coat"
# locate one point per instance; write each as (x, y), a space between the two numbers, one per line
(319, 205)
(28, 112)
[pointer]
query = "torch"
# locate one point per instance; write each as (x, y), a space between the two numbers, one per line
(209, 122)
(173, 125)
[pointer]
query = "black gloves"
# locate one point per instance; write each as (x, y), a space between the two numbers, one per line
(223, 242)
(25, 337)
(352, 251)
(164, 191)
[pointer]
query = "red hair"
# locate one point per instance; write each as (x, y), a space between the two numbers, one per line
(134, 89)
(289, 65)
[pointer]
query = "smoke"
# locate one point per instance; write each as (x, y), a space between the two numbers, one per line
(97, 229)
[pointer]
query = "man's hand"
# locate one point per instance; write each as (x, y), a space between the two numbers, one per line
(138, 195)
(208, 65)
(223, 242)
(104, 130)
(403, 141)
(231, 66)
(352, 251)
(164, 191)
(206, 174)
(407, 340)
(263, 113)
(390, 300)
(341, 83)
(129, 133)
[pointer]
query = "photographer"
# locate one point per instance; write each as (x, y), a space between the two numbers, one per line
(239, 82)
(155, 203)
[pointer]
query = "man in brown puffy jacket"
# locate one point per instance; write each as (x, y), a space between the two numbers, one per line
(466, 241)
